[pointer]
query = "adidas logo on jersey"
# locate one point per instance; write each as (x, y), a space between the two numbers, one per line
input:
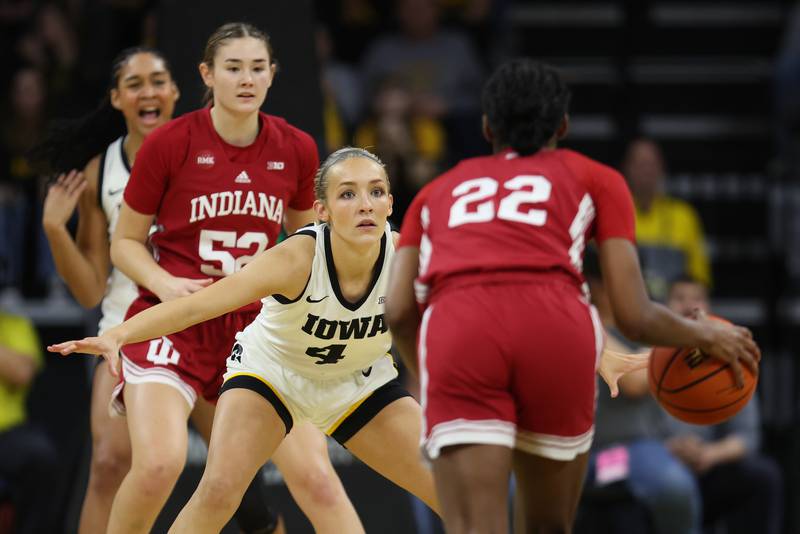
(275, 165)
(243, 178)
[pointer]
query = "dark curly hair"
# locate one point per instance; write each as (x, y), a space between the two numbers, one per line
(524, 101)
(70, 144)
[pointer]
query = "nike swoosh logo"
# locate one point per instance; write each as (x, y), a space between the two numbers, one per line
(367, 372)
(309, 299)
(113, 192)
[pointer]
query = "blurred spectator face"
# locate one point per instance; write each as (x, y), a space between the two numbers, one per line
(418, 18)
(28, 93)
(145, 93)
(685, 297)
(644, 169)
(392, 101)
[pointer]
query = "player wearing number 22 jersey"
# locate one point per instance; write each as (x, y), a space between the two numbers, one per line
(216, 206)
(508, 342)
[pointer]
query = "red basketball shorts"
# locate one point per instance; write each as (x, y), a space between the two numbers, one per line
(510, 364)
(192, 361)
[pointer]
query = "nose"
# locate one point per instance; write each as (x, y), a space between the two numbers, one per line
(148, 90)
(247, 77)
(366, 204)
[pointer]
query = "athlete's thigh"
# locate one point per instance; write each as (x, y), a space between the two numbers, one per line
(246, 432)
(547, 491)
(157, 415)
(472, 486)
(109, 432)
(389, 443)
(202, 417)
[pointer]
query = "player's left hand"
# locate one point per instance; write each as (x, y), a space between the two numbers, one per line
(104, 346)
(614, 365)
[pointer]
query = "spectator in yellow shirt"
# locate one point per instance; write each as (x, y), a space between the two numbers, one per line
(27, 456)
(668, 230)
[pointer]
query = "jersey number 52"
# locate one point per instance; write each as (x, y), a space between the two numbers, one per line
(212, 248)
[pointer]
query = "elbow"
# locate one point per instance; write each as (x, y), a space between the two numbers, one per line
(92, 298)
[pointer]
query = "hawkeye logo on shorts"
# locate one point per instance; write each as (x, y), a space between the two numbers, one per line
(321, 328)
(236, 353)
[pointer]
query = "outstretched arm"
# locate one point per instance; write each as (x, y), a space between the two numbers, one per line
(283, 269)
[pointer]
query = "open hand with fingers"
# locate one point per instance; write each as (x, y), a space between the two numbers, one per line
(106, 346)
(61, 199)
(614, 365)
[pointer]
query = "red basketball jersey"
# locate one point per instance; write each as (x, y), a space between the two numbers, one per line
(507, 214)
(218, 206)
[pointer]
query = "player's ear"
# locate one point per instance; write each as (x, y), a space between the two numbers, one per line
(113, 97)
(206, 74)
(486, 129)
(321, 211)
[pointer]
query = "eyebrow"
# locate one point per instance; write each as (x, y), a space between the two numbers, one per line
(380, 180)
(133, 77)
(235, 60)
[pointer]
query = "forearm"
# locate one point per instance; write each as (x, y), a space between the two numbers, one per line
(160, 320)
(84, 282)
(135, 261)
(657, 326)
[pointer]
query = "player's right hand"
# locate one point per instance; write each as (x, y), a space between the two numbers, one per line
(174, 287)
(105, 346)
(61, 199)
(732, 344)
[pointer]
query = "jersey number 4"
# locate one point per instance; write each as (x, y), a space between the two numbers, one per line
(475, 200)
(228, 264)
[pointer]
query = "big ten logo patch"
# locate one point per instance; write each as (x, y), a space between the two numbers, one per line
(162, 352)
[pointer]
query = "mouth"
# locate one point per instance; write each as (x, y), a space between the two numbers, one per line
(149, 115)
(367, 224)
(245, 96)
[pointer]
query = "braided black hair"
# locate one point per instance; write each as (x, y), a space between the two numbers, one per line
(71, 144)
(525, 101)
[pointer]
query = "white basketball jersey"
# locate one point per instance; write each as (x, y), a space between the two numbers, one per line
(320, 334)
(120, 290)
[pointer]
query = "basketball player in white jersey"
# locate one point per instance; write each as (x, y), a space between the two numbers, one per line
(104, 144)
(316, 352)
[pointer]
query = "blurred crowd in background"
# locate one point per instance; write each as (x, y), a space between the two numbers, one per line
(699, 107)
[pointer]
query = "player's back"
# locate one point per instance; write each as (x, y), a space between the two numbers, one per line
(507, 213)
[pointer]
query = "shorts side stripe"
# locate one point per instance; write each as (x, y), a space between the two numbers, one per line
(258, 385)
(463, 432)
(365, 410)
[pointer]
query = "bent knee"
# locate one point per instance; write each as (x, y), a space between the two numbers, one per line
(220, 492)
(317, 484)
(156, 475)
(109, 464)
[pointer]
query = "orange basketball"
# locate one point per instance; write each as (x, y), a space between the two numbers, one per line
(696, 388)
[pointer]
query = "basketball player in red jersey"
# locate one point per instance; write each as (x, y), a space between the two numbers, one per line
(507, 343)
(218, 184)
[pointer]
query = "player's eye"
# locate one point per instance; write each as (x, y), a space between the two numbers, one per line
(378, 192)
(347, 195)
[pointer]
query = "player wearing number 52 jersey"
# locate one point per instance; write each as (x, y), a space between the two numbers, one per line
(216, 206)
